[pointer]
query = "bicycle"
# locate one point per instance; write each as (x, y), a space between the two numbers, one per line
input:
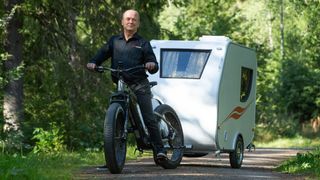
(123, 116)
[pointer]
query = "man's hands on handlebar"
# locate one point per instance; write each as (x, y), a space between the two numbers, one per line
(91, 66)
(149, 66)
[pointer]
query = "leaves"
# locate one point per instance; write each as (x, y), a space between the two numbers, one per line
(50, 141)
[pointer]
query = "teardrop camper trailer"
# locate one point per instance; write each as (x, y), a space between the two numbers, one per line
(211, 83)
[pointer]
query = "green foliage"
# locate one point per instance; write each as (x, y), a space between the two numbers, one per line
(13, 142)
(197, 18)
(50, 141)
(45, 166)
(60, 38)
(279, 126)
(63, 165)
(293, 142)
(307, 163)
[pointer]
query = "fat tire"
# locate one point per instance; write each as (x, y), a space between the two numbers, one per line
(236, 156)
(114, 148)
(177, 153)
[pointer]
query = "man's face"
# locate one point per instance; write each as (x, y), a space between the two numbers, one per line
(130, 21)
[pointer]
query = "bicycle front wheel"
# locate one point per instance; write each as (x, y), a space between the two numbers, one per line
(115, 146)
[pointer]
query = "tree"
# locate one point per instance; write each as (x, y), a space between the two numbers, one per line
(63, 36)
(13, 93)
(13, 83)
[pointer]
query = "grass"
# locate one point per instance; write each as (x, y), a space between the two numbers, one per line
(41, 166)
(50, 166)
(296, 142)
(306, 163)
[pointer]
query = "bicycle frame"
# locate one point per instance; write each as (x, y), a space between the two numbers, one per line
(126, 97)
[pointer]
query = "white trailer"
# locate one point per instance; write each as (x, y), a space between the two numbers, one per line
(211, 84)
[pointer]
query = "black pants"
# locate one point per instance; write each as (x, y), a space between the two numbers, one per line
(143, 92)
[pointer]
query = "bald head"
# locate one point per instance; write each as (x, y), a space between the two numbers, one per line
(130, 21)
(131, 12)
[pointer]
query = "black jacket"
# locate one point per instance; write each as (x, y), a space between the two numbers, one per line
(135, 51)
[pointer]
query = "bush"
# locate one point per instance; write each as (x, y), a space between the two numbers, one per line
(303, 163)
(48, 141)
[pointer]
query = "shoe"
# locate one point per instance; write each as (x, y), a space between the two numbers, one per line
(102, 168)
(161, 154)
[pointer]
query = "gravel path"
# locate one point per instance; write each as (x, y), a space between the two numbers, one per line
(258, 164)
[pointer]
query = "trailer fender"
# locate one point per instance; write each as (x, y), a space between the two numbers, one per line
(234, 140)
(156, 101)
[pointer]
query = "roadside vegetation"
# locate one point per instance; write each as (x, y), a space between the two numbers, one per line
(59, 165)
(46, 166)
(307, 163)
(49, 159)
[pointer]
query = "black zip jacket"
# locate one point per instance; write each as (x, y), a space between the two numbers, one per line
(135, 51)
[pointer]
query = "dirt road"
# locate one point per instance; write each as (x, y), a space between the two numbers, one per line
(258, 164)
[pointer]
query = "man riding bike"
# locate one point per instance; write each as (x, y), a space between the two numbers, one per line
(129, 49)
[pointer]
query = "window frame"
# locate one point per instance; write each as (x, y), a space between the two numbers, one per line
(162, 50)
(249, 85)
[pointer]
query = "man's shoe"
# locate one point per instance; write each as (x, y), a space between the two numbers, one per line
(162, 154)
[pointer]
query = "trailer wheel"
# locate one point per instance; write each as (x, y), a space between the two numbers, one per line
(236, 156)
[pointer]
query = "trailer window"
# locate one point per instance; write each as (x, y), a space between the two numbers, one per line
(183, 63)
(246, 82)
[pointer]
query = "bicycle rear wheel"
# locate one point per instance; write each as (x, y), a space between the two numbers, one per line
(175, 143)
(115, 146)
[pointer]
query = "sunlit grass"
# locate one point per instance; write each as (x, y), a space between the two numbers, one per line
(45, 166)
(296, 142)
(51, 166)
(307, 163)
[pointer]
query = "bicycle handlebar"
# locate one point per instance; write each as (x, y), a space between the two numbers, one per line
(102, 69)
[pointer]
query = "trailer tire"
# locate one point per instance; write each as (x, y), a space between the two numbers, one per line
(236, 156)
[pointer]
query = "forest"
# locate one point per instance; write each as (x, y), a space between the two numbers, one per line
(47, 93)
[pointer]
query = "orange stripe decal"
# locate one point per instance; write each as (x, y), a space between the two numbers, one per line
(237, 112)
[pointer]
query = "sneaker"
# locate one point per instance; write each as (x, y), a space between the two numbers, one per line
(161, 154)
(102, 168)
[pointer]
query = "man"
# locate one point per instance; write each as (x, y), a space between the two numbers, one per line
(132, 50)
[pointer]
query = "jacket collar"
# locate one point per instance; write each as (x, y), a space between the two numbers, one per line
(135, 36)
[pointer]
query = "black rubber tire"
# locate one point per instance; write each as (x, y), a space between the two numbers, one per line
(194, 154)
(236, 156)
(175, 155)
(115, 149)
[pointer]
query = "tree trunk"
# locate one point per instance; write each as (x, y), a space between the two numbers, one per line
(13, 89)
(270, 20)
(281, 30)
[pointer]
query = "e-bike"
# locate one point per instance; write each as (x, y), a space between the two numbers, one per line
(124, 116)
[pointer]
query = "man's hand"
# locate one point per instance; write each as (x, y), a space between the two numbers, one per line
(150, 66)
(91, 66)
